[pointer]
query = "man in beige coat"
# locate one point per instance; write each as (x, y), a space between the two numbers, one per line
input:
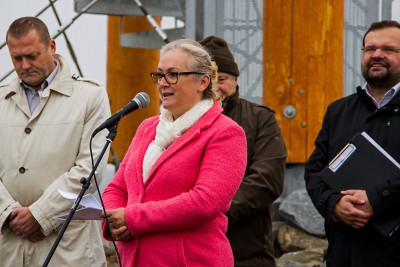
(46, 119)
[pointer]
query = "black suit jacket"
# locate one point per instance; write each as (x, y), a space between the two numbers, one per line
(343, 119)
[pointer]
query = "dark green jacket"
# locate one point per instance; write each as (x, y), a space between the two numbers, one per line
(250, 226)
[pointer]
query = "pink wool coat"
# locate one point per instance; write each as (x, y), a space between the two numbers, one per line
(177, 217)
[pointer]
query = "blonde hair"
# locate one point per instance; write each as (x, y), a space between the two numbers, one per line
(199, 60)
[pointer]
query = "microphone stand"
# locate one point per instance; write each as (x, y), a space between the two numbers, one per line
(85, 185)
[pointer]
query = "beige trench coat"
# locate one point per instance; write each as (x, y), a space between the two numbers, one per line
(42, 153)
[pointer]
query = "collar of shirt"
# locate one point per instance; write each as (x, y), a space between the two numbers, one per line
(386, 98)
(32, 95)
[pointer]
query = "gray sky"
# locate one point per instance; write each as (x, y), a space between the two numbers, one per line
(88, 35)
(396, 10)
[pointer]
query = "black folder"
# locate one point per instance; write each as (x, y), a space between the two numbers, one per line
(362, 164)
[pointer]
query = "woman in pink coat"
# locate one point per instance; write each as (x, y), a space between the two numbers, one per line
(166, 204)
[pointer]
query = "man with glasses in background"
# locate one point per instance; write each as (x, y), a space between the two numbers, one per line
(249, 217)
(375, 109)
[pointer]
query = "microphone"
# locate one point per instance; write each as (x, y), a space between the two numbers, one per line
(141, 100)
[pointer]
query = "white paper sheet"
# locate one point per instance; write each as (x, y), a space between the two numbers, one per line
(91, 207)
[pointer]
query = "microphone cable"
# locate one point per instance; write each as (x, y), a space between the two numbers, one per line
(102, 205)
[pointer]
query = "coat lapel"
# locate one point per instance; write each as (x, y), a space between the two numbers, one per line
(147, 137)
(22, 103)
(192, 134)
(177, 145)
(18, 96)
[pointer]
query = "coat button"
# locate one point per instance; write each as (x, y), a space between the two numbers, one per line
(385, 192)
(28, 130)
(22, 170)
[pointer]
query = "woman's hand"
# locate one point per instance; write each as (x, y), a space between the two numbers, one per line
(117, 224)
(121, 234)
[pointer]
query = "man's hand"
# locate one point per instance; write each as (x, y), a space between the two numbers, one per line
(23, 223)
(361, 194)
(36, 236)
(353, 208)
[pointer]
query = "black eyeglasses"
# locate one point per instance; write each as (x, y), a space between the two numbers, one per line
(170, 77)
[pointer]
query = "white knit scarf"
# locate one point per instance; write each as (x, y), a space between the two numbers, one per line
(168, 131)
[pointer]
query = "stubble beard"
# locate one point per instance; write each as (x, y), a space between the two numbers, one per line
(380, 79)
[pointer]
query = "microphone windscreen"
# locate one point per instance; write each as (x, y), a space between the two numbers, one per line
(143, 99)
